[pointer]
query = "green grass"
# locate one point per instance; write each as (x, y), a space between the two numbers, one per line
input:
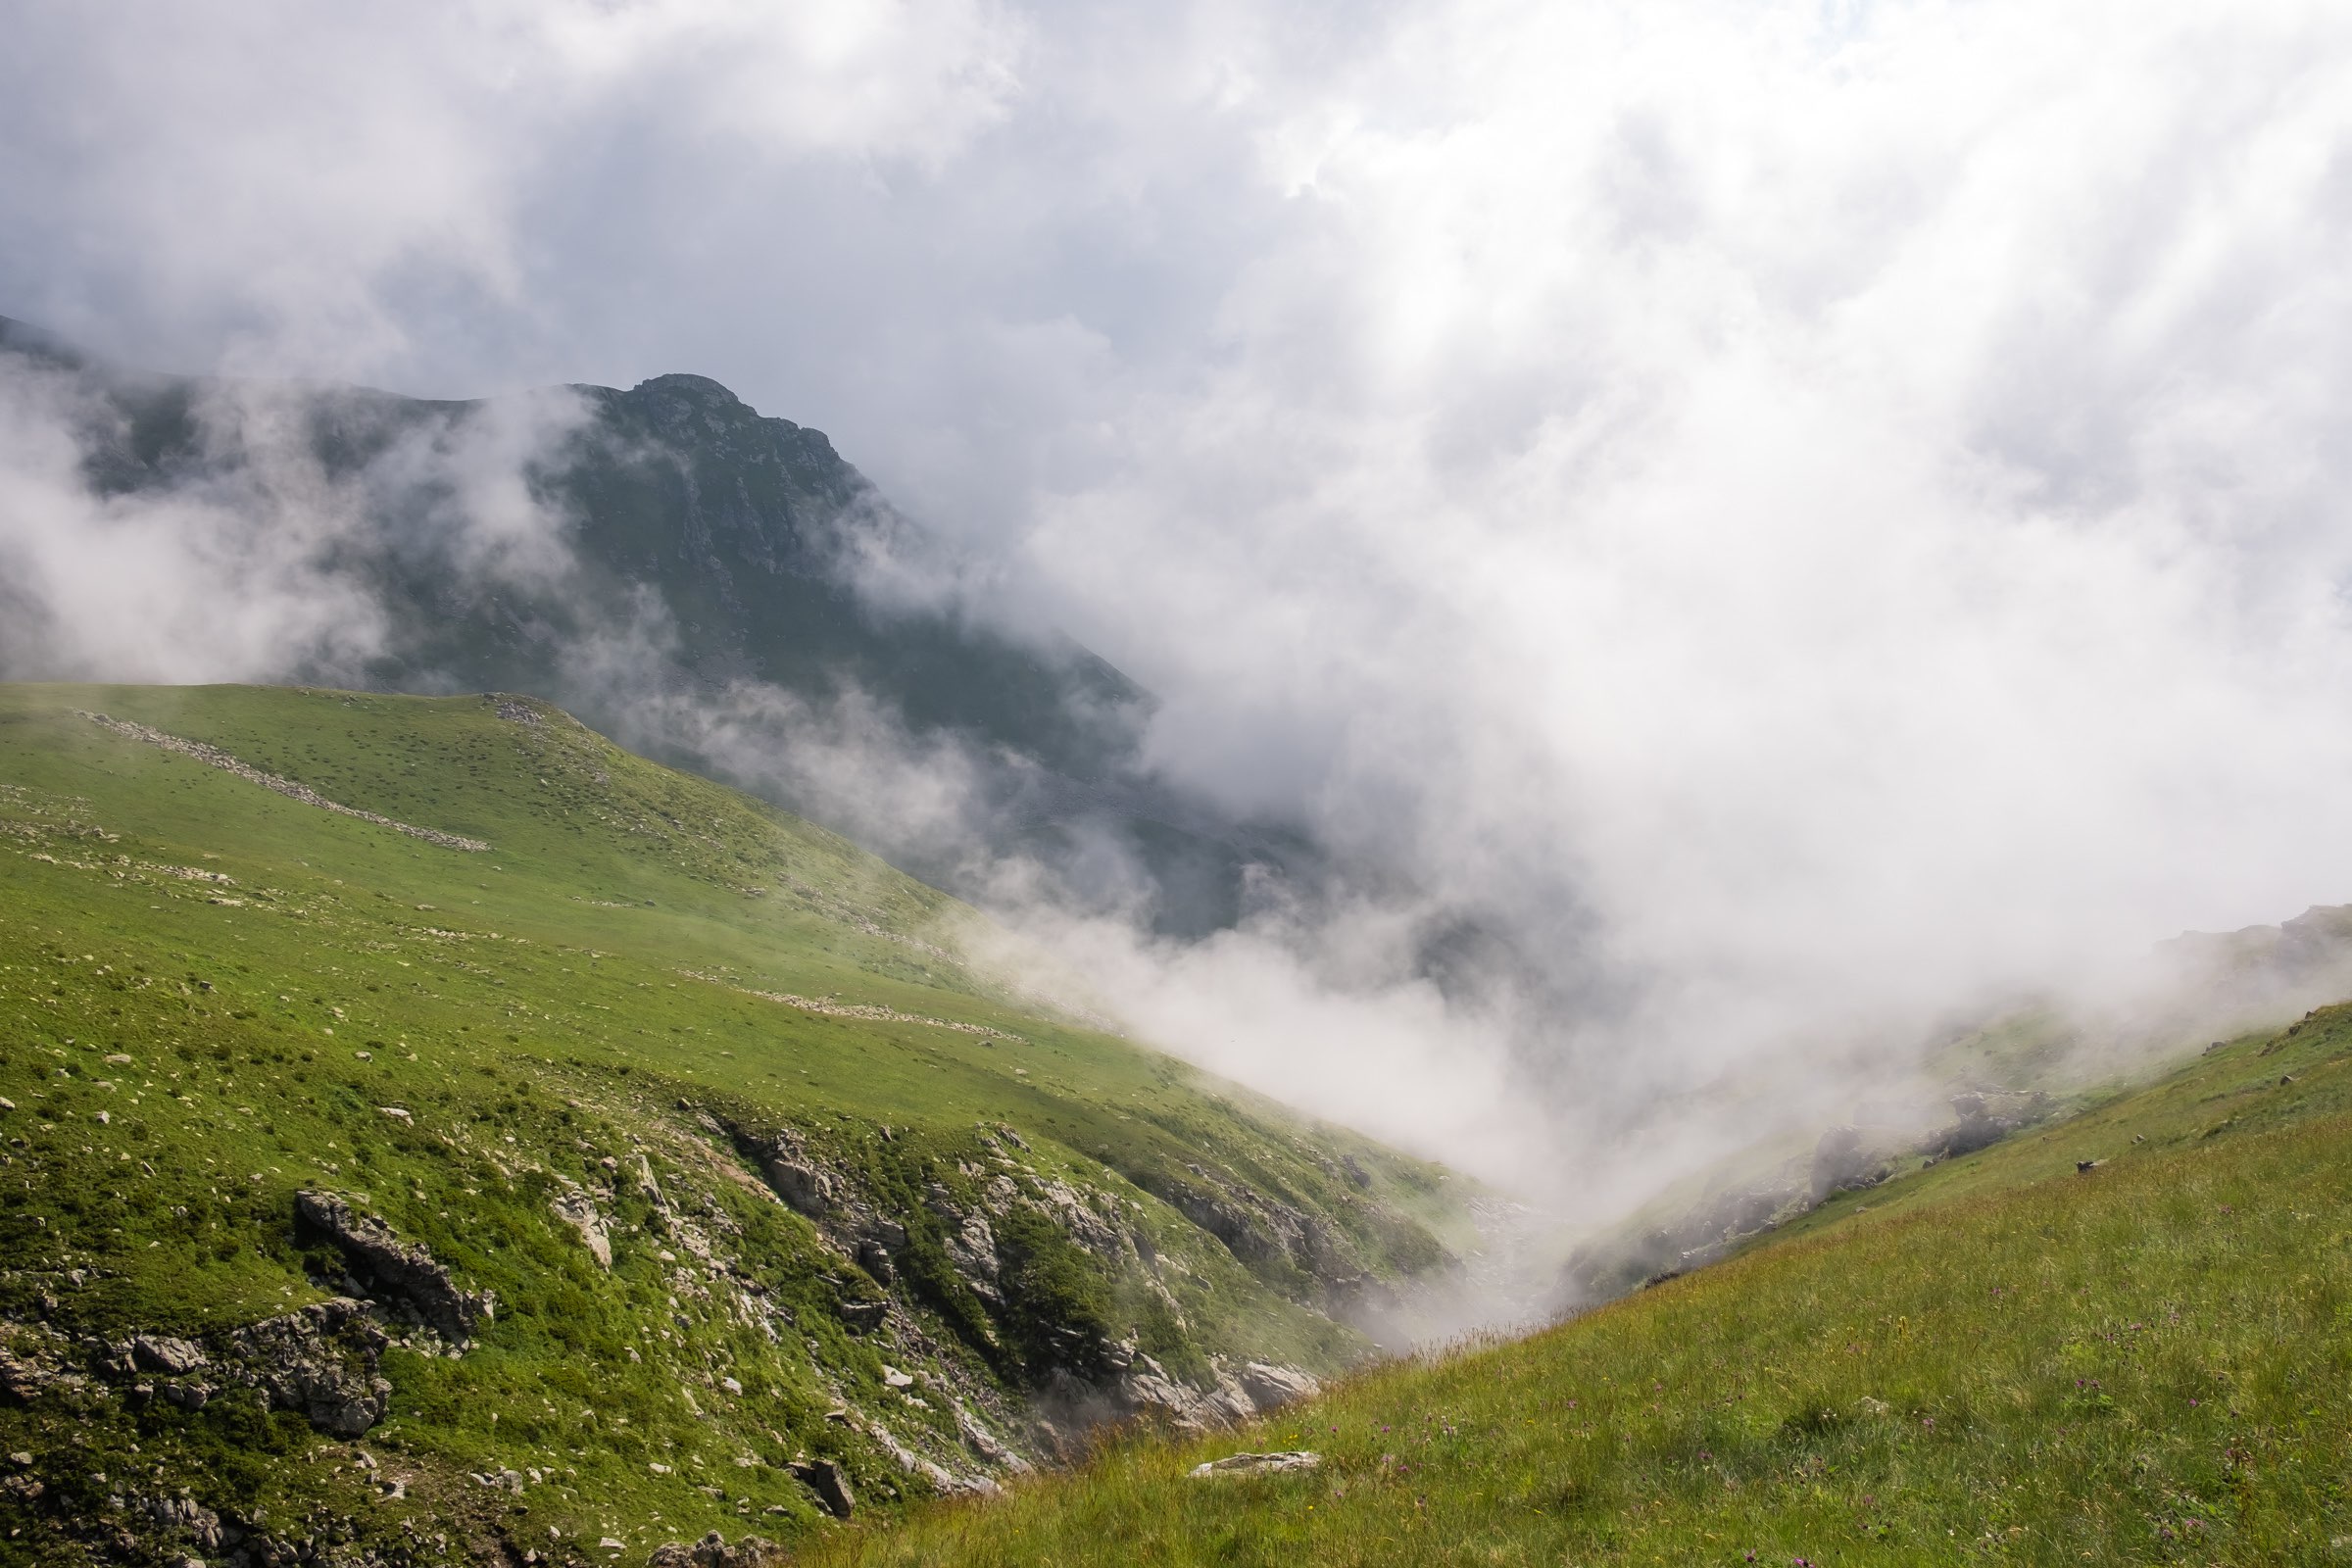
(1998, 1359)
(209, 993)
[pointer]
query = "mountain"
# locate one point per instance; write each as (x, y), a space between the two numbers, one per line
(433, 1132)
(683, 563)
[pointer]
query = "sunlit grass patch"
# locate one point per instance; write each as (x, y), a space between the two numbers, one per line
(2147, 1363)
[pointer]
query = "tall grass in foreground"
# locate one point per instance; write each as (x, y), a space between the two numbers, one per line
(2146, 1363)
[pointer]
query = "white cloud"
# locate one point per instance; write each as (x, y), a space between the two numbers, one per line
(258, 565)
(305, 183)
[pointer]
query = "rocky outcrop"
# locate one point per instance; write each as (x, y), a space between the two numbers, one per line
(986, 1444)
(1145, 1391)
(806, 1188)
(1262, 1232)
(180, 1518)
(398, 1275)
(1240, 1465)
(830, 1482)
(35, 1360)
(861, 1315)
(1272, 1387)
(320, 1361)
(970, 1244)
(713, 1551)
(575, 1208)
(159, 1352)
(1983, 1119)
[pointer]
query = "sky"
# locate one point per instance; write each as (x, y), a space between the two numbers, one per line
(1828, 510)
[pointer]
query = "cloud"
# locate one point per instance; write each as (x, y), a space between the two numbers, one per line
(302, 187)
(253, 561)
(1854, 508)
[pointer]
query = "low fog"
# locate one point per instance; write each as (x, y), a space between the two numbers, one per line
(1806, 525)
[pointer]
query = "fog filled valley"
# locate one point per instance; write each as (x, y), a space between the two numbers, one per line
(949, 782)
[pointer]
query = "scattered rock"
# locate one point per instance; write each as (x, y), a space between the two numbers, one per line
(575, 1210)
(711, 1551)
(984, 1443)
(181, 1516)
(971, 1247)
(1271, 1387)
(942, 1481)
(1258, 1464)
(33, 1367)
(217, 758)
(1146, 1390)
(189, 1397)
(159, 1352)
(322, 1361)
(831, 1486)
(808, 1190)
(398, 1114)
(861, 1317)
(895, 1378)
(393, 1272)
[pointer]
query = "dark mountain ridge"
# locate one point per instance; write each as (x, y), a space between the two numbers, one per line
(692, 560)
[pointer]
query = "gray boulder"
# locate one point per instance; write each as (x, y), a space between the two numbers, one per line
(1272, 1387)
(830, 1482)
(810, 1189)
(1238, 1465)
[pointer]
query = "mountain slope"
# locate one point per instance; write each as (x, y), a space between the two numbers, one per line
(662, 561)
(2004, 1358)
(435, 1133)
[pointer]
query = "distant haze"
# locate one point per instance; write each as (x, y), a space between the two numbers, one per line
(1805, 517)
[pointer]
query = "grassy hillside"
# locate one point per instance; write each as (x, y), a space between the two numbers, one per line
(2000, 1358)
(645, 1014)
